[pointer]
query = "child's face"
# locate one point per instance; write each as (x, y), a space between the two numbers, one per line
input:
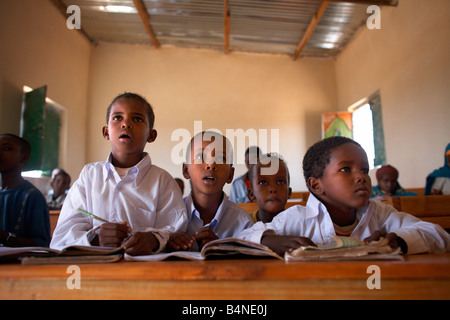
(271, 191)
(388, 183)
(207, 176)
(345, 184)
(11, 156)
(60, 184)
(128, 127)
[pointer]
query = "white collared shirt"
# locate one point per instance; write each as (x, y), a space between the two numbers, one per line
(147, 198)
(314, 222)
(229, 220)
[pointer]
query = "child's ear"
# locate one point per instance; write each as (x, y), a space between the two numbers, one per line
(289, 192)
(105, 132)
(186, 171)
(25, 157)
(315, 185)
(152, 136)
(251, 195)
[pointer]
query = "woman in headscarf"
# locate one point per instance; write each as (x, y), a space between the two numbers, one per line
(438, 182)
(388, 186)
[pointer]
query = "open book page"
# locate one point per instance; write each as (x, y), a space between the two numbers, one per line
(42, 254)
(345, 248)
(72, 259)
(227, 247)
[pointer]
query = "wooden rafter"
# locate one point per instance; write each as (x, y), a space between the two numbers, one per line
(226, 28)
(145, 18)
(393, 3)
(62, 8)
(311, 27)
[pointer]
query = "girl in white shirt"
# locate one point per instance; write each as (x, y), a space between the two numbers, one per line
(336, 172)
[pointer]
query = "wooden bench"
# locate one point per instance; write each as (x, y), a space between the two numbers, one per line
(250, 207)
(299, 195)
(418, 191)
(54, 215)
(435, 209)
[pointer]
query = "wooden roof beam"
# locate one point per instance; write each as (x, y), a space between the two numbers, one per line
(392, 3)
(226, 28)
(311, 27)
(145, 18)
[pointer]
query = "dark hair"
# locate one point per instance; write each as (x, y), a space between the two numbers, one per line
(130, 95)
(24, 145)
(207, 136)
(62, 173)
(318, 156)
(264, 159)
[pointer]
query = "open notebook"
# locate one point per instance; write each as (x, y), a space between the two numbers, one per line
(72, 254)
(346, 248)
(221, 248)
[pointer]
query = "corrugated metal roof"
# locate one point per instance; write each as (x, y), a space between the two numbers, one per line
(260, 26)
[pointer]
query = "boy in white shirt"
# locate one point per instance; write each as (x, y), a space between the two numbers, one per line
(141, 202)
(336, 172)
(211, 215)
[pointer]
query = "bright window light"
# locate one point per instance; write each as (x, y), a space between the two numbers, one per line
(118, 9)
(363, 131)
(32, 174)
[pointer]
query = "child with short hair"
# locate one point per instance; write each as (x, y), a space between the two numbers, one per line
(24, 217)
(336, 173)
(60, 184)
(141, 201)
(211, 215)
(269, 180)
(241, 185)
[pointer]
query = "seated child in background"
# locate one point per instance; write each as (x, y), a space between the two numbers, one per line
(388, 186)
(241, 185)
(211, 215)
(60, 184)
(438, 182)
(336, 173)
(141, 201)
(24, 218)
(271, 188)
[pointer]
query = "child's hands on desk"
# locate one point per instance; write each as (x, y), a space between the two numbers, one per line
(113, 234)
(140, 243)
(205, 235)
(179, 241)
(283, 244)
(118, 234)
(394, 240)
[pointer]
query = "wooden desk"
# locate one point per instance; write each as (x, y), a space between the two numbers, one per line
(418, 277)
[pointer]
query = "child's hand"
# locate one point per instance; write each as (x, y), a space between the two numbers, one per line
(113, 234)
(179, 241)
(205, 235)
(140, 243)
(394, 240)
(283, 244)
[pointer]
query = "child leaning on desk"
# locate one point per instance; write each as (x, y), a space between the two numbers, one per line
(269, 181)
(211, 215)
(336, 172)
(141, 201)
